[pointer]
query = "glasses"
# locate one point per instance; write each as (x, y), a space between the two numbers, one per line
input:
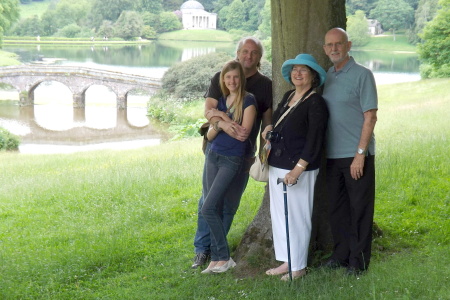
(300, 70)
(332, 45)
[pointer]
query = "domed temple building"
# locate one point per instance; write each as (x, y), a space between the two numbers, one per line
(194, 16)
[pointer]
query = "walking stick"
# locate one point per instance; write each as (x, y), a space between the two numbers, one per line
(287, 226)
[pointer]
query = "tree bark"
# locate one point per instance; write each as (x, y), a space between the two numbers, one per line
(297, 27)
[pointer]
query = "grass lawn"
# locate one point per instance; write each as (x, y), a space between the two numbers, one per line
(120, 224)
(387, 43)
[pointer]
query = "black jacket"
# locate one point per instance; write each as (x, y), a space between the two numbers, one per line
(302, 133)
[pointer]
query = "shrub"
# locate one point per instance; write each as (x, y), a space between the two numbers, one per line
(8, 141)
(190, 79)
(69, 31)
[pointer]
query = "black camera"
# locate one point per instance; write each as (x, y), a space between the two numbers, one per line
(273, 136)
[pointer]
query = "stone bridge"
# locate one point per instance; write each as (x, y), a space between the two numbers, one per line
(25, 78)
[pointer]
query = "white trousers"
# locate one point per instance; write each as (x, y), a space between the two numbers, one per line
(300, 199)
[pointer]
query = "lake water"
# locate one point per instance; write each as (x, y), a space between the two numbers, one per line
(53, 126)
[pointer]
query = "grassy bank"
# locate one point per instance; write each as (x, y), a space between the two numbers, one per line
(8, 59)
(120, 224)
(55, 41)
(197, 35)
(387, 43)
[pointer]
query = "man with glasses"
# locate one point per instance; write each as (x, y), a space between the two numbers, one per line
(249, 53)
(351, 96)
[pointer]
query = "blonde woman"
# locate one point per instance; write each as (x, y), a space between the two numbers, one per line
(224, 160)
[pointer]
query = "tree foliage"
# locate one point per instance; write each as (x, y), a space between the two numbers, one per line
(9, 12)
(27, 27)
(153, 6)
(435, 50)
(172, 5)
(425, 12)
(109, 10)
(357, 29)
(265, 28)
(235, 15)
(393, 14)
(199, 69)
(168, 21)
(8, 141)
(129, 25)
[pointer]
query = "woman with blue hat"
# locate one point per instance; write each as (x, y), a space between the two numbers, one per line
(295, 141)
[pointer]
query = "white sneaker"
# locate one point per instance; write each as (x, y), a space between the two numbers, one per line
(228, 265)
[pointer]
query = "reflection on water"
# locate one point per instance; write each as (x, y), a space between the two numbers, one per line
(390, 78)
(52, 125)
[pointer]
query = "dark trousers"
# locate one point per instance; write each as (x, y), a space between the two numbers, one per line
(351, 209)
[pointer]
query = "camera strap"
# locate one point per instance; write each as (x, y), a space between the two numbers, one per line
(305, 96)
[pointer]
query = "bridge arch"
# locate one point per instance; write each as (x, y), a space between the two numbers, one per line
(78, 79)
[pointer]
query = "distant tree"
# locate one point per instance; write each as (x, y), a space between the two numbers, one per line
(351, 6)
(220, 4)
(393, 14)
(435, 50)
(148, 32)
(63, 13)
(208, 5)
(153, 6)
(236, 16)
(25, 1)
(222, 17)
(9, 12)
(413, 3)
(253, 16)
(70, 12)
(69, 31)
(200, 70)
(27, 27)
(49, 22)
(172, 5)
(265, 27)
(168, 21)
(109, 10)
(151, 20)
(425, 12)
(106, 29)
(129, 25)
(358, 29)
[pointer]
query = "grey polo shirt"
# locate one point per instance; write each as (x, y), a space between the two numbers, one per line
(348, 93)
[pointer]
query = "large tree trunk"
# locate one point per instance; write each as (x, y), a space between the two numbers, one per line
(298, 26)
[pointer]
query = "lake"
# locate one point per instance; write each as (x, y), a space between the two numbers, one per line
(53, 126)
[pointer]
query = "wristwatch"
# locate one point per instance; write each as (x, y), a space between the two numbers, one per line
(361, 151)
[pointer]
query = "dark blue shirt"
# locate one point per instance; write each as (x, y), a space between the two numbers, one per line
(225, 144)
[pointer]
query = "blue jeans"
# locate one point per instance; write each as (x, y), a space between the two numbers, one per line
(202, 240)
(220, 172)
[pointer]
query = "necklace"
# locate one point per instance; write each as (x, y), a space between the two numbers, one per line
(230, 107)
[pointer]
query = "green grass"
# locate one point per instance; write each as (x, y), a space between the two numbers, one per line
(8, 59)
(120, 224)
(197, 35)
(387, 43)
(35, 8)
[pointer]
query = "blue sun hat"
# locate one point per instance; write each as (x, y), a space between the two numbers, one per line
(302, 59)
